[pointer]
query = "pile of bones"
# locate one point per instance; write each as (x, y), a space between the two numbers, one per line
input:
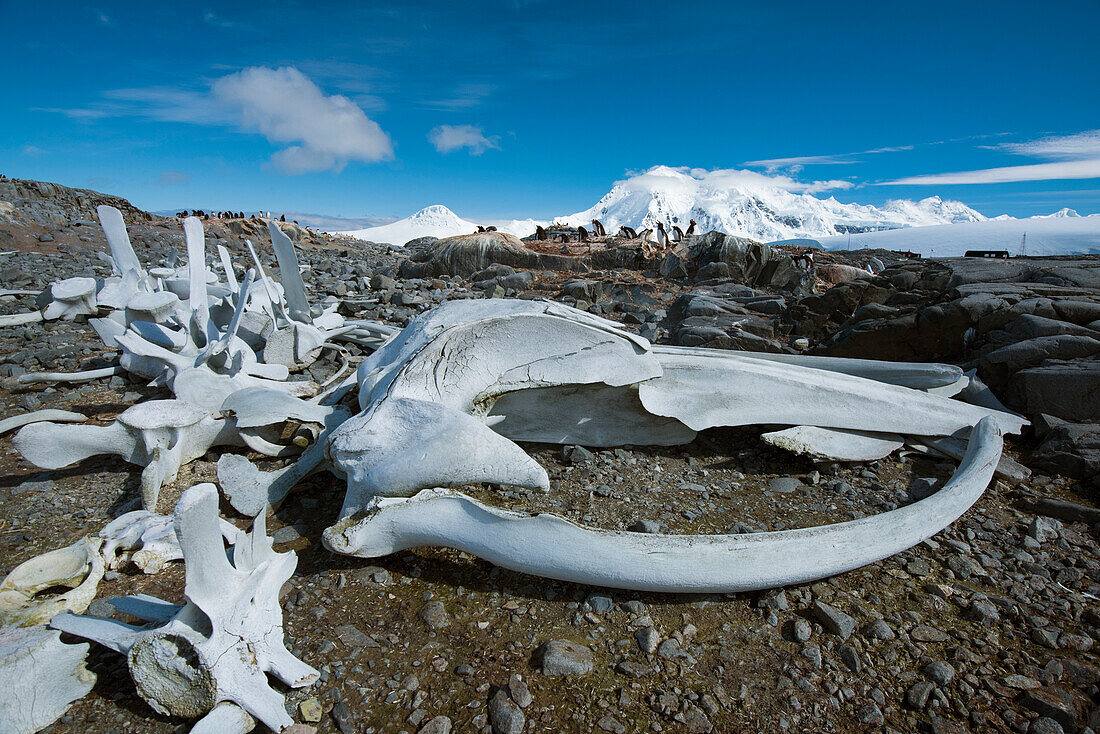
(440, 405)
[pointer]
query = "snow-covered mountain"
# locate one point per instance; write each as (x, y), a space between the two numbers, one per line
(435, 221)
(1051, 234)
(754, 205)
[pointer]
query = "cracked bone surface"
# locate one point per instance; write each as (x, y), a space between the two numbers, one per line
(40, 677)
(79, 567)
(222, 643)
(160, 435)
(552, 547)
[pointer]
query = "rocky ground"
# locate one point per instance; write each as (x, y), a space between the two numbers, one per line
(989, 626)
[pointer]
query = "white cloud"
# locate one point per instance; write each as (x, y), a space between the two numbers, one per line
(797, 162)
(1061, 147)
(322, 132)
(1074, 157)
(448, 138)
(1062, 170)
(725, 178)
(286, 107)
(31, 151)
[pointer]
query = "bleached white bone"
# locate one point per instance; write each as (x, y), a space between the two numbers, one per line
(519, 363)
(114, 227)
(160, 435)
(148, 539)
(70, 299)
(225, 718)
(250, 490)
(83, 376)
(18, 319)
(79, 567)
(834, 444)
(294, 287)
(40, 676)
(221, 644)
(552, 547)
(49, 414)
(156, 307)
(227, 268)
(703, 391)
(385, 450)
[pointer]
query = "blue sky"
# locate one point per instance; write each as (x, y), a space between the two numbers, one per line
(523, 108)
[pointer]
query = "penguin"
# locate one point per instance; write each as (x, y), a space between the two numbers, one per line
(282, 217)
(629, 232)
(540, 233)
(647, 235)
(490, 228)
(479, 229)
(677, 233)
(662, 236)
(691, 229)
(597, 228)
(582, 234)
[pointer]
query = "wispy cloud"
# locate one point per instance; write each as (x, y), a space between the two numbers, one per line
(172, 178)
(1073, 157)
(1062, 170)
(448, 138)
(31, 151)
(103, 19)
(796, 163)
(283, 105)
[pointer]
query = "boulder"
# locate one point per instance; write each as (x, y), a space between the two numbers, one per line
(1066, 390)
(1072, 450)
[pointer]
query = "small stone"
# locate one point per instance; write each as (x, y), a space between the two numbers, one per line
(670, 650)
(438, 725)
(353, 637)
(608, 723)
(300, 729)
(504, 715)
(310, 710)
(834, 620)
(1045, 637)
(564, 657)
(924, 633)
(599, 604)
(1045, 725)
(517, 689)
(695, 721)
(435, 615)
(631, 669)
(878, 630)
(940, 671)
(983, 612)
(1021, 682)
(1053, 703)
(917, 695)
(784, 485)
(850, 658)
(801, 630)
(342, 716)
(870, 714)
(1044, 529)
(918, 567)
(647, 639)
